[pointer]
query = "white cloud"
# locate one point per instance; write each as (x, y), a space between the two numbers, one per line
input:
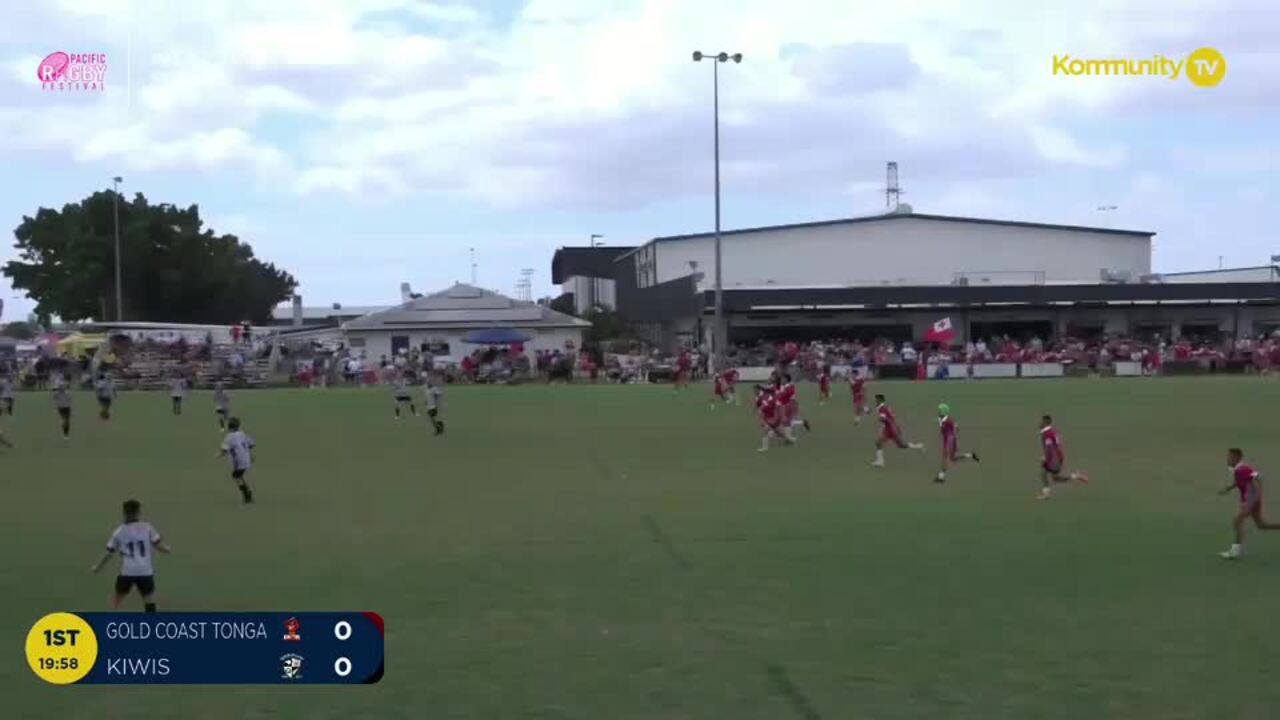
(570, 93)
(1061, 147)
(446, 13)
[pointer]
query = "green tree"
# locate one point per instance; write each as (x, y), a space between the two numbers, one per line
(604, 326)
(563, 304)
(18, 330)
(174, 269)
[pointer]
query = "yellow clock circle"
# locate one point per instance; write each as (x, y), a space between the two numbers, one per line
(61, 648)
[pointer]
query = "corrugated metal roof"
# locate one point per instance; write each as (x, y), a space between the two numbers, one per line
(463, 306)
(325, 312)
(896, 216)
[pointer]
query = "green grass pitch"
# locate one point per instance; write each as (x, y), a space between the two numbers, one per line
(623, 552)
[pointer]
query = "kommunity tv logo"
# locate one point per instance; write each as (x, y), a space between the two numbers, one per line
(1204, 67)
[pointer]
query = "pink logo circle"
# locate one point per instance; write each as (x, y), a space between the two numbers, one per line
(53, 67)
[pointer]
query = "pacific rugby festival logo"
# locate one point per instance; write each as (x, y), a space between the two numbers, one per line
(1204, 67)
(81, 72)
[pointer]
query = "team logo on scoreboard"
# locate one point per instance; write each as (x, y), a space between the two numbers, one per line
(291, 627)
(291, 667)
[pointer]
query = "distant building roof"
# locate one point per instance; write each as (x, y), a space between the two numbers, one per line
(1257, 273)
(594, 262)
(465, 306)
(284, 312)
(899, 216)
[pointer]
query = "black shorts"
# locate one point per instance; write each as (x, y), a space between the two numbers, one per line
(104, 402)
(65, 413)
(238, 474)
(146, 584)
(220, 411)
(403, 399)
(432, 412)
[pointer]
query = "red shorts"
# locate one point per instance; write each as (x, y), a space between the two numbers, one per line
(1252, 508)
(1053, 467)
(719, 391)
(951, 448)
(859, 401)
(891, 435)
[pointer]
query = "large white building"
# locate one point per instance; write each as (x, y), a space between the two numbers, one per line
(900, 249)
(893, 275)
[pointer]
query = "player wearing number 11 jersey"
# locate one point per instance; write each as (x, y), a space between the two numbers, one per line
(134, 540)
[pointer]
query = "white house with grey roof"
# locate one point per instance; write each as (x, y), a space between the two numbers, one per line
(440, 321)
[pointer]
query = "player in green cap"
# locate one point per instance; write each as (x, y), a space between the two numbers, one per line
(950, 443)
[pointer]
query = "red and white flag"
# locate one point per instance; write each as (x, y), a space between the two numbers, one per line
(940, 332)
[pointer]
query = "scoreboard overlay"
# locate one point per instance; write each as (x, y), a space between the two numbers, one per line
(207, 648)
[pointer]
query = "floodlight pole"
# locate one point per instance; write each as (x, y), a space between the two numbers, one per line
(115, 201)
(720, 339)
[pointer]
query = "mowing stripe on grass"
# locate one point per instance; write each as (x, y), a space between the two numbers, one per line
(788, 690)
(665, 543)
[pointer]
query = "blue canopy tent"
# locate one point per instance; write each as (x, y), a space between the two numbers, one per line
(496, 336)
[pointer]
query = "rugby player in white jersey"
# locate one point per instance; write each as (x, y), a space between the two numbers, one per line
(177, 393)
(403, 394)
(135, 540)
(435, 403)
(238, 446)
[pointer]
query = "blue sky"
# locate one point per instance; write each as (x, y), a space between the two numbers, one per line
(361, 144)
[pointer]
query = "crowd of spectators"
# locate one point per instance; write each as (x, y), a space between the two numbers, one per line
(1100, 353)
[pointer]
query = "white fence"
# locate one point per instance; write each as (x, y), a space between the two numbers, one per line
(995, 370)
(1041, 370)
(1128, 368)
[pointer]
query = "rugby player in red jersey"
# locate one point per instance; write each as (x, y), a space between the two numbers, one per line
(790, 402)
(858, 385)
(890, 432)
(684, 365)
(1248, 482)
(724, 388)
(950, 443)
(770, 412)
(824, 385)
(731, 384)
(1053, 459)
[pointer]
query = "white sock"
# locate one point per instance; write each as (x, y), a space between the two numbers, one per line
(880, 456)
(1236, 548)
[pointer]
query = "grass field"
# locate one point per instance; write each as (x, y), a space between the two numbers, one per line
(622, 552)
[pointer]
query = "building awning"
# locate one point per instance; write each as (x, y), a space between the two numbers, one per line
(897, 297)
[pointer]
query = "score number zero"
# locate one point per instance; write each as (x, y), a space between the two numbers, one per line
(342, 631)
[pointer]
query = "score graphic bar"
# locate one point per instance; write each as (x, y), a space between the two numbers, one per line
(267, 648)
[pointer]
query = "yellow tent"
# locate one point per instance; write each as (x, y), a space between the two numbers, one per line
(77, 344)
